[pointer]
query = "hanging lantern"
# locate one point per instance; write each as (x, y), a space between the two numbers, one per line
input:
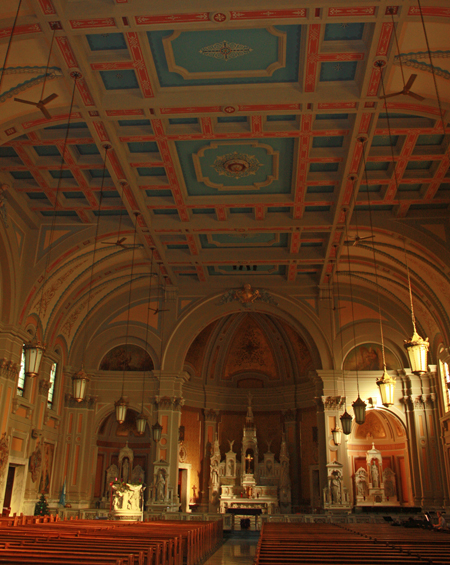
(359, 408)
(141, 423)
(34, 350)
(156, 432)
(346, 421)
(386, 384)
(121, 409)
(417, 349)
(336, 432)
(79, 382)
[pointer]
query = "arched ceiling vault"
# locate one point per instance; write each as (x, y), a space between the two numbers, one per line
(242, 169)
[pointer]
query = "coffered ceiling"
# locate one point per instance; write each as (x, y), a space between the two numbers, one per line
(235, 138)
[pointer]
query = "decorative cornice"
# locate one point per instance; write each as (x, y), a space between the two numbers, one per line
(9, 369)
(44, 386)
(169, 403)
(211, 415)
(333, 402)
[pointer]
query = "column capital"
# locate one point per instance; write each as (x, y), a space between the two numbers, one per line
(211, 415)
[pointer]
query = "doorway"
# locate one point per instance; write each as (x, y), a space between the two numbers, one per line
(9, 488)
(183, 489)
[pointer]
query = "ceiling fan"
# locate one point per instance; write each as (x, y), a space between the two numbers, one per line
(42, 101)
(406, 90)
(357, 240)
(158, 309)
(41, 104)
(120, 243)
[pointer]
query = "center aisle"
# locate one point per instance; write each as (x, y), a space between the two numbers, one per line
(240, 549)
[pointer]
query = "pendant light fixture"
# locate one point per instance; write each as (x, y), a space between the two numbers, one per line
(416, 347)
(80, 379)
(359, 406)
(34, 349)
(141, 420)
(121, 405)
(346, 419)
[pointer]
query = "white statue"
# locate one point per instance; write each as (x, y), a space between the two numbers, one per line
(335, 487)
(125, 470)
(137, 475)
(160, 487)
(375, 475)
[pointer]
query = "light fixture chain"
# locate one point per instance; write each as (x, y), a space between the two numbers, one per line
(55, 205)
(351, 301)
(48, 64)
(433, 72)
(409, 287)
(129, 299)
(374, 262)
(86, 333)
(342, 345)
(398, 47)
(389, 133)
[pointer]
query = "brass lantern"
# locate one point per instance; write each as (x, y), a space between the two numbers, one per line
(121, 409)
(386, 384)
(417, 349)
(79, 382)
(141, 423)
(359, 408)
(346, 421)
(156, 432)
(336, 432)
(34, 350)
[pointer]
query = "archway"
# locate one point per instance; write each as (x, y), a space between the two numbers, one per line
(383, 432)
(112, 437)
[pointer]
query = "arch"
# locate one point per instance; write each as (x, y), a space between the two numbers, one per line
(199, 316)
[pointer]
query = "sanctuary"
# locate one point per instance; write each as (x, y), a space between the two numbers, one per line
(249, 482)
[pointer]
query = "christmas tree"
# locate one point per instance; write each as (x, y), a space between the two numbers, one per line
(41, 508)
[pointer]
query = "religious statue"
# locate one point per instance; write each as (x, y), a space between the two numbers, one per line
(35, 462)
(361, 487)
(137, 474)
(335, 487)
(247, 295)
(375, 475)
(160, 487)
(231, 467)
(125, 470)
(214, 475)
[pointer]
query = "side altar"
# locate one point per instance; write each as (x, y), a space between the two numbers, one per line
(262, 486)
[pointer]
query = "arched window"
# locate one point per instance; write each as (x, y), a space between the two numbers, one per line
(445, 380)
(51, 390)
(21, 379)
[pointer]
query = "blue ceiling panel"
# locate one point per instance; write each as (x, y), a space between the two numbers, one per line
(64, 174)
(338, 71)
(88, 149)
(128, 123)
(143, 147)
(119, 80)
(208, 168)
(325, 141)
(6, 151)
(323, 167)
(47, 150)
(235, 56)
(343, 32)
(106, 41)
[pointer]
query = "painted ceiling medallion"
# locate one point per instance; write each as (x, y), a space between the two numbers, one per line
(236, 165)
(225, 50)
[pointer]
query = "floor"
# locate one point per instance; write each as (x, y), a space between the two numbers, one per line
(238, 549)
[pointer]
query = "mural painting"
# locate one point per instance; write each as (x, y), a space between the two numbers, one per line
(369, 357)
(127, 358)
(47, 465)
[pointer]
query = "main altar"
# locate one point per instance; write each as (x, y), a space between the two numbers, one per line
(248, 483)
